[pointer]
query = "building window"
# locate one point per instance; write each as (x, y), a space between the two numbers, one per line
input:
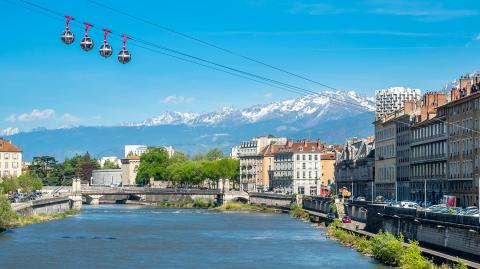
(301, 190)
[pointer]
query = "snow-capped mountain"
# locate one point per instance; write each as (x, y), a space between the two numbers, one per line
(10, 131)
(310, 108)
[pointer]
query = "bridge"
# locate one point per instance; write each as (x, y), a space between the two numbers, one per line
(92, 194)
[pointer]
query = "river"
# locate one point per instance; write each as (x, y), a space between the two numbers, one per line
(139, 237)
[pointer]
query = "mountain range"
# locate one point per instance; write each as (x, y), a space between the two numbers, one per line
(329, 116)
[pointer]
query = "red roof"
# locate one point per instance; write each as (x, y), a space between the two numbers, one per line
(7, 146)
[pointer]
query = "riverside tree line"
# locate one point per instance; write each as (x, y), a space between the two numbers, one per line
(179, 170)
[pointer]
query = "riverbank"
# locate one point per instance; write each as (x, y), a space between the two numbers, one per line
(387, 248)
(238, 206)
(35, 219)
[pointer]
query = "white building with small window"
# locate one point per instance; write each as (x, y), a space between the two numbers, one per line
(10, 159)
(298, 168)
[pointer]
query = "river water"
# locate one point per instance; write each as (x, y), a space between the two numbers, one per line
(138, 237)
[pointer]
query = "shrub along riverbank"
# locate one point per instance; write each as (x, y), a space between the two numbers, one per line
(387, 248)
(238, 206)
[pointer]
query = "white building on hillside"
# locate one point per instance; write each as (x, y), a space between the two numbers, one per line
(392, 99)
(111, 159)
(135, 150)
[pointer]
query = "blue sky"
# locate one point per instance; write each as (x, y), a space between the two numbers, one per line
(359, 45)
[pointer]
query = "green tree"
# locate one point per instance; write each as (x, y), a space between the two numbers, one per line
(412, 258)
(229, 169)
(212, 172)
(153, 164)
(110, 165)
(214, 154)
(9, 184)
(7, 216)
(178, 157)
(41, 165)
(85, 165)
(198, 157)
(29, 181)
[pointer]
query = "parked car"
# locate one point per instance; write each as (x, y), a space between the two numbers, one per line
(379, 199)
(347, 219)
(331, 215)
(361, 199)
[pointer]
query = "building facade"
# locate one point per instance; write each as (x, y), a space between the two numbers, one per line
(355, 168)
(251, 155)
(10, 159)
(327, 178)
(107, 177)
(298, 168)
(130, 166)
(428, 151)
(462, 116)
(385, 157)
(390, 100)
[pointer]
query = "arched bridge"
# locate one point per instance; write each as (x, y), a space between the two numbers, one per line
(92, 194)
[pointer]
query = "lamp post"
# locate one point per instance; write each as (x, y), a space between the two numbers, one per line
(425, 194)
(372, 192)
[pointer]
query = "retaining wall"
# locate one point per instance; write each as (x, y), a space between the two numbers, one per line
(272, 200)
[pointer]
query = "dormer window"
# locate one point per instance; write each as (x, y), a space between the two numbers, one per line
(300, 148)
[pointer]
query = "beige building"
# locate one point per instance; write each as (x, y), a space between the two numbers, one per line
(130, 166)
(268, 166)
(385, 157)
(10, 159)
(251, 158)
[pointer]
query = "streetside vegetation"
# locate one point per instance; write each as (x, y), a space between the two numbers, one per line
(34, 219)
(297, 212)
(52, 173)
(239, 206)
(180, 171)
(196, 203)
(388, 249)
(7, 215)
(26, 182)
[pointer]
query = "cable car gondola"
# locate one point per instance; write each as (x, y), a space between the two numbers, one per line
(67, 36)
(124, 55)
(87, 43)
(105, 49)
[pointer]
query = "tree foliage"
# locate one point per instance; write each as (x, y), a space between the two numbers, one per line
(29, 181)
(214, 154)
(180, 171)
(7, 215)
(110, 165)
(153, 164)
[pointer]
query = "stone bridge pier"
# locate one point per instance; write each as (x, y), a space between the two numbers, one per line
(93, 199)
(76, 195)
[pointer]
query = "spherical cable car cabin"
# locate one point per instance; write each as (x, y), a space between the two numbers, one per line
(105, 49)
(86, 43)
(67, 36)
(124, 55)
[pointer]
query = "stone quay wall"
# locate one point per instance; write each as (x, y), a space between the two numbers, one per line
(318, 204)
(46, 206)
(452, 234)
(272, 200)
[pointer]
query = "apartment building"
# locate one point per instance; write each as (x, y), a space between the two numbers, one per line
(392, 99)
(355, 168)
(462, 116)
(428, 151)
(10, 159)
(251, 155)
(298, 168)
(386, 156)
